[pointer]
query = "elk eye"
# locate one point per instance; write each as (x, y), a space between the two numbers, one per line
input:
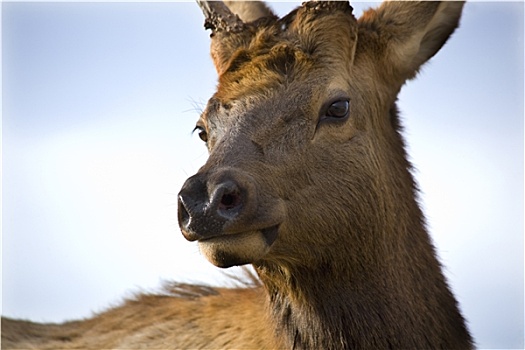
(203, 135)
(338, 109)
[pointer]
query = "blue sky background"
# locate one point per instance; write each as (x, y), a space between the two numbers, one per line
(99, 101)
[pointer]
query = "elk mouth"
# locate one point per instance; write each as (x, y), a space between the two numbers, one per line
(239, 248)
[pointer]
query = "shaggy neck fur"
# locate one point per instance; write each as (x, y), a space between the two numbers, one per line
(339, 307)
(323, 309)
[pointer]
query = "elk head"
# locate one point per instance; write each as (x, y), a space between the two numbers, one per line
(306, 163)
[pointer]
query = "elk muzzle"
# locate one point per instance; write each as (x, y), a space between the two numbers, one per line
(225, 213)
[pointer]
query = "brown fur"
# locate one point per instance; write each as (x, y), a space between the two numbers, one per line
(324, 209)
(168, 321)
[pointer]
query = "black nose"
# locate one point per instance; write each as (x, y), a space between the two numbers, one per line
(205, 209)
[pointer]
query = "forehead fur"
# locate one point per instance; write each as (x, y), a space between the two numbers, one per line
(288, 50)
(266, 63)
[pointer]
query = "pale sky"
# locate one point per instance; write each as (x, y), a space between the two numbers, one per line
(99, 101)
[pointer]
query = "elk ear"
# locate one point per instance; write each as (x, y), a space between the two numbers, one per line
(411, 32)
(233, 25)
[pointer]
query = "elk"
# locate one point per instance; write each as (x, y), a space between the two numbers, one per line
(308, 181)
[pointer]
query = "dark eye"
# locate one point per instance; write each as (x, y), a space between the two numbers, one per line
(203, 135)
(338, 109)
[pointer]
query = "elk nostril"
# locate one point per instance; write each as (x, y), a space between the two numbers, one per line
(230, 201)
(183, 214)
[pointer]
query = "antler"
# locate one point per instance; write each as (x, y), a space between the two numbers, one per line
(317, 5)
(219, 17)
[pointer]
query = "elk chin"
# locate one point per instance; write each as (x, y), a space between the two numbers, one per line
(238, 249)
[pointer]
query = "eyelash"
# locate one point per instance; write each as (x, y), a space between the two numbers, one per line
(203, 135)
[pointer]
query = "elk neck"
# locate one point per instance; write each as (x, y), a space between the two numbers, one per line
(336, 306)
(388, 294)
